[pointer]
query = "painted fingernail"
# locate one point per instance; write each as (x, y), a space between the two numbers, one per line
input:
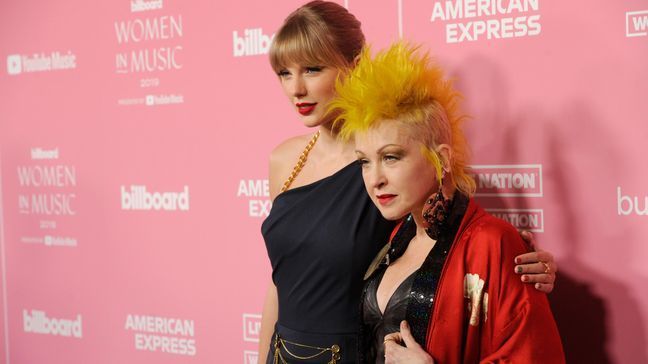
(517, 261)
(525, 278)
(537, 286)
(518, 269)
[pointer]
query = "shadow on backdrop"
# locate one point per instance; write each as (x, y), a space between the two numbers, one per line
(585, 318)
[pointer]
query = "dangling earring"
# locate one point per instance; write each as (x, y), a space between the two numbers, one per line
(437, 213)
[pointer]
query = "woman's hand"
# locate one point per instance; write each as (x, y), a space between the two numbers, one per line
(537, 267)
(411, 353)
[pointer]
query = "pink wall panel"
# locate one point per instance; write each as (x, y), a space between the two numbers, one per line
(133, 165)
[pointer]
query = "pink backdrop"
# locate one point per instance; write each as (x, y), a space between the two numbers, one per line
(134, 139)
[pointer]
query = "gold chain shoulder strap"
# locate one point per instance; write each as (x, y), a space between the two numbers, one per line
(301, 162)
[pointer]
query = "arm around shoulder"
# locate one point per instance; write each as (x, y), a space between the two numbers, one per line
(524, 329)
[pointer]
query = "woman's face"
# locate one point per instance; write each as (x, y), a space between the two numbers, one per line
(309, 89)
(398, 177)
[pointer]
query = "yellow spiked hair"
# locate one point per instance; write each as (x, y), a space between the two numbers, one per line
(401, 84)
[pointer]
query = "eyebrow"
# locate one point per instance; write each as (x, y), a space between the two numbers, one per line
(382, 148)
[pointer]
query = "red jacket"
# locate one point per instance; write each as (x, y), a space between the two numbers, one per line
(484, 313)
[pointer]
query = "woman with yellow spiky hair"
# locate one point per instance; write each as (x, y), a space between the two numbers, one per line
(440, 290)
(323, 229)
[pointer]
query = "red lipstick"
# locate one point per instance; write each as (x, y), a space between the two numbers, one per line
(385, 199)
(305, 108)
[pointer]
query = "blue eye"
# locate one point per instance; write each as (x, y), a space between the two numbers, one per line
(314, 69)
(390, 157)
(363, 161)
(283, 73)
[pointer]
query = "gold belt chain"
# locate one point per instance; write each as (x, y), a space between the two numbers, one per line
(281, 343)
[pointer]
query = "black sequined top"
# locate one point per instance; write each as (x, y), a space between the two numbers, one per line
(422, 292)
(387, 322)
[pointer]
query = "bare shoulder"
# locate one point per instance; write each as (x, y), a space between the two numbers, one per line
(289, 149)
(282, 160)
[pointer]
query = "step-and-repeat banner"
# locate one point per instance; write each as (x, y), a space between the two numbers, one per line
(134, 144)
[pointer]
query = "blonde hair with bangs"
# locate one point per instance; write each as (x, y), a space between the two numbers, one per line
(318, 33)
(401, 83)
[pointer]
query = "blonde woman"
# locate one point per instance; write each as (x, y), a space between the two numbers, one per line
(446, 270)
(323, 230)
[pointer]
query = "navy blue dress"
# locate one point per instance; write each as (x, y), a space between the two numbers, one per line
(320, 239)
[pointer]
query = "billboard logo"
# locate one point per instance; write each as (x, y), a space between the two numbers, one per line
(627, 205)
(253, 42)
(513, 180)
(14, 64)
(522, 219)
(250, 357)
(138, 198)
(37, 322)
(251, 327)
(636, 23)
(40, 153)
(144, 5)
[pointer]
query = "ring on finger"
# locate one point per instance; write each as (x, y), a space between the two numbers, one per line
(547, 269)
